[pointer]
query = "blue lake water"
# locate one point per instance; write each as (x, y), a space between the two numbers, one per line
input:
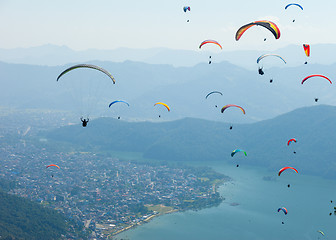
(256, 217)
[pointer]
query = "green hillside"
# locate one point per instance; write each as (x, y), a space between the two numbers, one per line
(200, 140)
(21, 218)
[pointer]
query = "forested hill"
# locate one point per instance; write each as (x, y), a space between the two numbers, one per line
(23, 219)
(200, 140)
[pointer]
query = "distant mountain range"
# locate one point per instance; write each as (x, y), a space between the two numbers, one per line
(59, 55)
(182, 88)
(200, 140)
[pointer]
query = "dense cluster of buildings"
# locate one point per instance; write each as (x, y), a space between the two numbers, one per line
(105, 194)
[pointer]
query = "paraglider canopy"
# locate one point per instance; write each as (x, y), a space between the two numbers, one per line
(285, 168)
(232, 105)
(283, 209)
(210, 41)
(264, 23)
(294, 4)
(306, 48)
(163, 104)
(53, 165)
(290, 141)
(315, 75)
(118, 101)
(186, 8)
(210, 93)
(236, 151)
(87, 66)
(270, 54)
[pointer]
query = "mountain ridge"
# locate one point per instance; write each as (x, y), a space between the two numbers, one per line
(201, 140)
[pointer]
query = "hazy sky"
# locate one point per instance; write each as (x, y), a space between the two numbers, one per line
(110, 24)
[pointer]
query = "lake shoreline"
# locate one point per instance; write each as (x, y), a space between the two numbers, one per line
(218, 183)
(144, 221)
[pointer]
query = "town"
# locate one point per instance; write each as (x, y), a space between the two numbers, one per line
(103, 193)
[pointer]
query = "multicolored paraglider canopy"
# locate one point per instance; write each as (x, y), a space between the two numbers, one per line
(306, 48)
(236, 151)
(186, 8)
(163, 104)
(285, 168)
(264, 23)
(283, 209)
(232, 105)
(210, 41)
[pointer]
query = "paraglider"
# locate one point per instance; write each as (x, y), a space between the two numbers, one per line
(118, 101)
(261, 72)
(163, 104)
(53, 165)
(232, 105)
(315, 75)
(272, 27)
(213, 92)
(185, 9)
(210, 41)
(293, 4)
(285, 168)
(284, 210)
(236, 151)
(86, 91)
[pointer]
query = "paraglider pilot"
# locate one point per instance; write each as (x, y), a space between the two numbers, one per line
(260, 71)
(84, 121)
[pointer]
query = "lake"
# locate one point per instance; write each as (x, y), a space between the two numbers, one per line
(250, 210)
